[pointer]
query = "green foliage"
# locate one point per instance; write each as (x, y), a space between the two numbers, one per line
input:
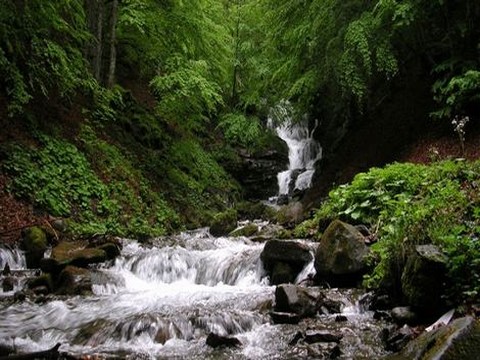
(100, 189)
(197, 182)
(456, 93)
(241, 130)
(407, 205)
(41, 49)
(186, 96)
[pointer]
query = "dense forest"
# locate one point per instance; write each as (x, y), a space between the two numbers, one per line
(143, 118)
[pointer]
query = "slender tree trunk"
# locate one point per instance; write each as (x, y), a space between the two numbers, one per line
(112, 39)
(94, 51)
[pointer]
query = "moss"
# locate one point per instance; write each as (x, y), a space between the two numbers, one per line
(223, 223)
(247, 230)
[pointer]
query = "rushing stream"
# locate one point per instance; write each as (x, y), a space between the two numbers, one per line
(161, 301)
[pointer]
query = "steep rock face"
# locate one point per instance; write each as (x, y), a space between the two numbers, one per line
(341, 256)
(257, 172)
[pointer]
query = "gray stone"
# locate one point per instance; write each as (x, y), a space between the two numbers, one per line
(279, 317)
(217, 341)
(341, 257)
(8, 284)
(292, 253)
(315, 336)
(296, 299)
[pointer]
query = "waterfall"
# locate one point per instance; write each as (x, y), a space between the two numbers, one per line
(303, 150)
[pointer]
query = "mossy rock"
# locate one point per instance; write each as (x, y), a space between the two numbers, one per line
(42, 280)
(224, 223)
(77, 254)
(74, 281)
(249, 210)
(458, 340)
(34, 241)
(247, 230)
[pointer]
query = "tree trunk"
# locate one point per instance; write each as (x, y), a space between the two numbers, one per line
(94, 51)
(112, 39)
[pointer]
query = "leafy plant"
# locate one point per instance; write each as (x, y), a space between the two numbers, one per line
(405, 205)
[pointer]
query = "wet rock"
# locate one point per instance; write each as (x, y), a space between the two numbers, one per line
(292, 253)
(341, 318)
(257, 171)
(217, 341)
(423, 278)
(282, 273)
(298, 336)
(279, 317)
(75, 254)
(41, 290)
(8, 284)
(111, 249)
(459, 340)
(382, 315)
(290, 215)
(34, 241)
(296, 299)
(404, 315)
(247, 230)
(324, 351)
(224, 223)
(6, 270)
(74, 281)
(397, 339)
(19, 296)
(44, 280)
(341, 257)
(283, 199)
(315, 336)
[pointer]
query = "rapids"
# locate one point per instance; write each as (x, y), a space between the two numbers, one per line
(160, 301)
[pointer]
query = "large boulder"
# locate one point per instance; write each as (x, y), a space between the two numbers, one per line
(459, 340)
(341, 257)
(217, 341)
(224, 223)
(423, 278)
(34, 241)
(283, 260)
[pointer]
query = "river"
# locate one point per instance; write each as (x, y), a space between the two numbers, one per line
(160, 301)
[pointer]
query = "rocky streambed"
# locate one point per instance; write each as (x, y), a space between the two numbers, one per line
(192, 296)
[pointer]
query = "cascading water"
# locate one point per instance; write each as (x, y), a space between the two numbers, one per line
(161, 301)
(303, 150)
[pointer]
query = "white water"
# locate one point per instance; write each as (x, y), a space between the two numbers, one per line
(303, 150)
(160, 302)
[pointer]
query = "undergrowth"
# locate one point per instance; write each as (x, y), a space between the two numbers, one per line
(99, 189)
(407, 204)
